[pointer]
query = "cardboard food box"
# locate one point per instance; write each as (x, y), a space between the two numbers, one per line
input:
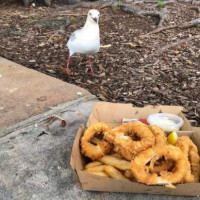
(112, 113)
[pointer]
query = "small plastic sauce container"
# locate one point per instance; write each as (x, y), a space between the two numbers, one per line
(168, 122)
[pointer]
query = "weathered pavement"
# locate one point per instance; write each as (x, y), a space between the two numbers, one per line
(25, 92)
(36, 166)
(34, 159)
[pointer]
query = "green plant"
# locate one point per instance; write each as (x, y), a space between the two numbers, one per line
(160, 4)
(117, 6)
(120, 3)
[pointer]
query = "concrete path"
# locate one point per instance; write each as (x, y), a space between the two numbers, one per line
(35, 161)
(25, 92)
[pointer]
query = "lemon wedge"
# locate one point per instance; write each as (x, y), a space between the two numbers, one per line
(172, 138)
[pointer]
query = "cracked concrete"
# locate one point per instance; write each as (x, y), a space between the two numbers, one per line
(25, 92)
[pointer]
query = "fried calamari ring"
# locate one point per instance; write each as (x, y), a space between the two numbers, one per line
(131, 138)
(159, 134)
(141, 170)
(157, 166)
(124, 153)
(95, 151)
(160, 140)
(191, 151)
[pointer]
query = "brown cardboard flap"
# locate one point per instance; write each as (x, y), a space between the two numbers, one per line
(186, 125)
(185, 133)
(76, 161)
(96, 183)
(196, 129)
(109, 112)
(112, 113)
(196, 139)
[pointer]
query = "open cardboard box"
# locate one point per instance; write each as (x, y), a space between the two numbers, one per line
(112, 113)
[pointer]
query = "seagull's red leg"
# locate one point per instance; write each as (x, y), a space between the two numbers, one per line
(67, 68)
(90, 64)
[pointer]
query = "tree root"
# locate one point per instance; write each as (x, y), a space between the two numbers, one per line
(195, 9)
(168, 46)
(193, 2)
(192, 23)
(127, 7)
(160, 14)
(133, 9)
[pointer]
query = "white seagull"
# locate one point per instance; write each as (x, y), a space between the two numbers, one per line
(86, 40)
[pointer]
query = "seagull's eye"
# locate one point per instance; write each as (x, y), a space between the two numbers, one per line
(90, 14)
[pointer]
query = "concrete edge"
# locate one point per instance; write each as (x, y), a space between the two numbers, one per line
(43, 116)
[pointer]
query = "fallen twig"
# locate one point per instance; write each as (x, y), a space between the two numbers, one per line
(168, 46)
(189, 24)
(129, 8)
(106, 46)
(193, 2)
(72, 14)
(54, 117)
(159, 30)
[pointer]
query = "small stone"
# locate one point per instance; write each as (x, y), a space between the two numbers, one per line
(165, 59)
(148, 78)
(79, 94)
(32, 61)
(128, 1)
(42, 44)
(51, 71)
(189, 62)
(13, 90)
(155, 89)
(1, 108)
(102, 74)
(176, 52)
(198, 73)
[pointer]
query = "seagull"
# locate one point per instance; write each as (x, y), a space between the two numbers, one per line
(86, 40)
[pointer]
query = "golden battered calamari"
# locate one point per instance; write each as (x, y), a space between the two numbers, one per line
(95, 151)
(191, 151)
(142, 172)
(131, 138)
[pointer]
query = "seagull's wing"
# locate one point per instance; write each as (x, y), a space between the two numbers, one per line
(72, 42)
(75, 35)
(84, 41)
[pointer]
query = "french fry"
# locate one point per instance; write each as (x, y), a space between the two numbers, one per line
(98, 173)
(115, 162)
(114, 173)
(96, 169)
(128, 174)
(93, 164)
(115, 155)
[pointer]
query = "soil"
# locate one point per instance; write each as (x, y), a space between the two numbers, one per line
(131, 70)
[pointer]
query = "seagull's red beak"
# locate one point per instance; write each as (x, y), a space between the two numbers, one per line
(95, 19)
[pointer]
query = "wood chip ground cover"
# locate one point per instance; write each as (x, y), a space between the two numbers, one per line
(131, 70)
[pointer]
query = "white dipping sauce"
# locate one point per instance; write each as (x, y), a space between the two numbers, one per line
(168, 122)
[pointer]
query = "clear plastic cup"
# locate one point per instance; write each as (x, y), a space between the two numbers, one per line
(168, 122)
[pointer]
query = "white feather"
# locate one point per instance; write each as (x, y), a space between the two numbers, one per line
(86, 40)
